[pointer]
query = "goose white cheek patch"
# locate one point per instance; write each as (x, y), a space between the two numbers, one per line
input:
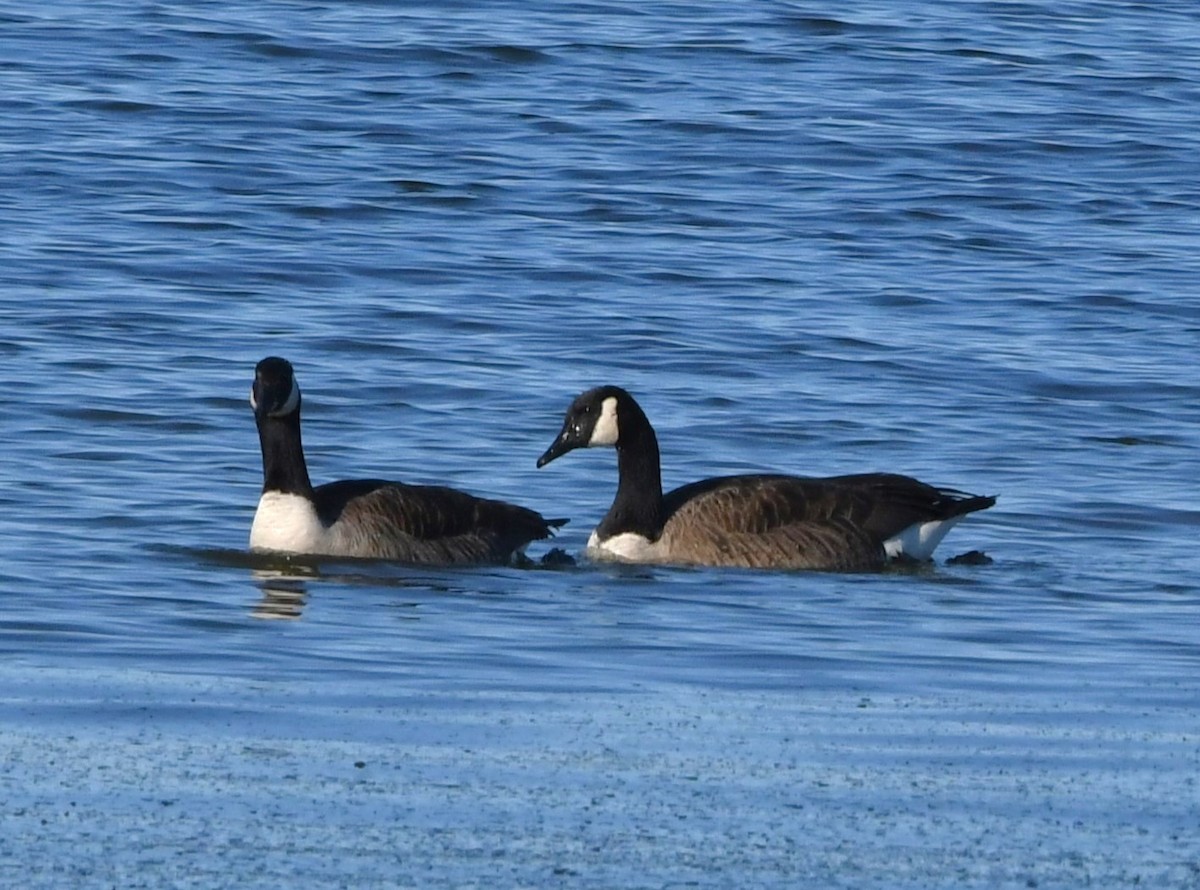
(605, 432)
(293, 400)
(289, 406)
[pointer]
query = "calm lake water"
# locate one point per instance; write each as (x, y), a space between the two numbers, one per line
(957, 240)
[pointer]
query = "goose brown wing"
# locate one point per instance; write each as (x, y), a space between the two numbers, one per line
(882, 504)
(757, 504)
(768, 521)
(426, 522)
(834, 523)
(885, 504)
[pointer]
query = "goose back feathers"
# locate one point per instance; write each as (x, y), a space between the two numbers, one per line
(369, 517)
(759, 521)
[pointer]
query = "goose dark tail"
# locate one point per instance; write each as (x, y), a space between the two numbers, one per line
(960, 503)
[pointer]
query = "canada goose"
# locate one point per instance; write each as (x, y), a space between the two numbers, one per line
(368, 517)
(846, 523)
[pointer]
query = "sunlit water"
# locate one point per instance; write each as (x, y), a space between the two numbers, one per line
(957, 242)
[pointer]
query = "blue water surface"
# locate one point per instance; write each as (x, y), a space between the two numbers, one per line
(955, 240)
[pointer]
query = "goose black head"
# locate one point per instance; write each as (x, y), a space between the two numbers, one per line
(275, 392)
(592, 420)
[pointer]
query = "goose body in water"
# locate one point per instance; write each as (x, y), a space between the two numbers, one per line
(368, 517)
(846, 523)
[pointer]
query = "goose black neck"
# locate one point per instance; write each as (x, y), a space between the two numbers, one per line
(284, 469)
(638, 505)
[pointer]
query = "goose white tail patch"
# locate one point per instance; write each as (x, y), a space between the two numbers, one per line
(606, 431)
(287, 523)
(919, 540)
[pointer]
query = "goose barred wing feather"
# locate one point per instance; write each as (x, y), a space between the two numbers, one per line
(891, 502)
(768, 522)
(786, 521)
(425, 523)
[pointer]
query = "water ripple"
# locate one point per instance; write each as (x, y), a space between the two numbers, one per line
(958, 244)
